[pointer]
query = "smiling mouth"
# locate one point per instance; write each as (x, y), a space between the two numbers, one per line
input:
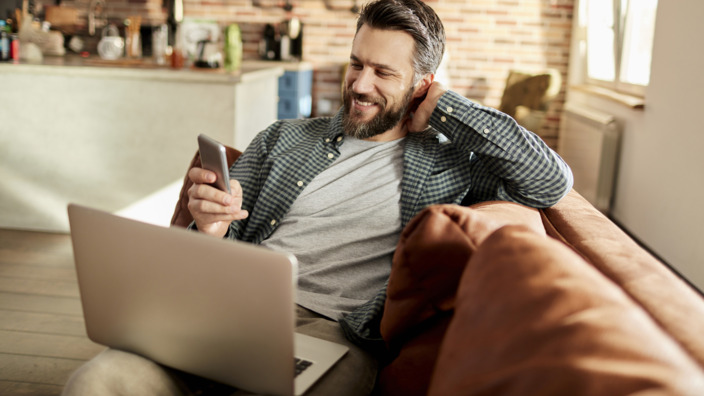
(363, 103)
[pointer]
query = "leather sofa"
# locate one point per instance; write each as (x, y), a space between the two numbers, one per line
(501, 299)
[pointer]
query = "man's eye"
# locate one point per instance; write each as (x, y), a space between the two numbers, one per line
(356, 66)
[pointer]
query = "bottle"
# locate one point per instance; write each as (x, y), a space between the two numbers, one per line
(233, 48)
(4, 42)
(285, 47)
(14, 47)
(160, 40)
(177, 58)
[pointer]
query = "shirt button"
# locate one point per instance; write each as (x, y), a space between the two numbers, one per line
(339, 138)
(443, 118)
(449, 109)
(300, 183)
(331, 155)
(273, 222)
(486, 130)
(327, 140)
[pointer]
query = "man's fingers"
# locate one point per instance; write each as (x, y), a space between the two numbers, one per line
(201, 176)
(208, 218)
(206, 199)
(212, 209)
(208, 207)
(235, 187)
(210, 193)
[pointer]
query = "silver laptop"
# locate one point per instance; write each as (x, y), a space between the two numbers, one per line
(220, 309)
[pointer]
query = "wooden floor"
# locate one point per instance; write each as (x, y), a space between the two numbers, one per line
(42, 335)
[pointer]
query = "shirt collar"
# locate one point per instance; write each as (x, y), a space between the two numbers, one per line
(336, 133)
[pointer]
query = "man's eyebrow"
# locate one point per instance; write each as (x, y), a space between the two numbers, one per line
(376, 65)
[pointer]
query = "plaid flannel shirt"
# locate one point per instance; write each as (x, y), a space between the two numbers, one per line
(484, 156)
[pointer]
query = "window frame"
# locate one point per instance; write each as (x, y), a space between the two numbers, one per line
(619, 29)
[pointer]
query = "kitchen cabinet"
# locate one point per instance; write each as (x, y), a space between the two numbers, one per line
(116, 138)
(295, 94)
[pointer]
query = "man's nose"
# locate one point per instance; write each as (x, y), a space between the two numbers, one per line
(364, 83)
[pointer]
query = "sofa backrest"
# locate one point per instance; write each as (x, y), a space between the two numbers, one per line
(671, 302)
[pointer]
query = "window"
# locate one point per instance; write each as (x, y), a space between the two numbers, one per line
(617, 42)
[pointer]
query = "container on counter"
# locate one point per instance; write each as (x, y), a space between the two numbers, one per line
(233, 48)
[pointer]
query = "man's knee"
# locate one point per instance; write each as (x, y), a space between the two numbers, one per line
(114, 372)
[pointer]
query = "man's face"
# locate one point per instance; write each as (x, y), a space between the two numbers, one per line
(379, 83)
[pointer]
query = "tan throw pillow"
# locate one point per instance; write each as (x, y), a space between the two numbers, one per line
(533, 318)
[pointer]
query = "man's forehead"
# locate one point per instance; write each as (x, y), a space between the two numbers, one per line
(392, 48)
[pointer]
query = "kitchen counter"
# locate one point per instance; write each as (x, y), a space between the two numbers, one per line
(94, 66)
(286, 65)
(116, 136)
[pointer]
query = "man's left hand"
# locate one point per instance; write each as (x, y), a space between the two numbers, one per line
(418, 122)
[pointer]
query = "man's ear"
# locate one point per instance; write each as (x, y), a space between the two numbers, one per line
(423, 85)
(420, 90)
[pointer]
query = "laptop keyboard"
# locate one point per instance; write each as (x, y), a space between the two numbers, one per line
(301, 365)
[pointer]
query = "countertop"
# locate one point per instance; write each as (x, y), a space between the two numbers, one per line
(94, 66)
(286, 65)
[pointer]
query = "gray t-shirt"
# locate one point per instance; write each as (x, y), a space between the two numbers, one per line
(344, 227)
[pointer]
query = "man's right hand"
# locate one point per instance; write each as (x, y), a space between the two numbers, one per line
(213, 210)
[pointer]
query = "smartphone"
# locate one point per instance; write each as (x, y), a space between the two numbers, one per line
(214, 159)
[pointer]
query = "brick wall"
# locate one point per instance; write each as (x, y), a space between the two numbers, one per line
(151, 11)
(485, 39)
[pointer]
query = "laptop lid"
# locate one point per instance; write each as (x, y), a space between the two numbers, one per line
(220, 309)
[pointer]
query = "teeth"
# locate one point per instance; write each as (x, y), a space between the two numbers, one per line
(365, 103)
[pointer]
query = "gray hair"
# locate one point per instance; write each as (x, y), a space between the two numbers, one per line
(415, 18)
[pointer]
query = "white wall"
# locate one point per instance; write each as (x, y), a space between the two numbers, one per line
(659, 195)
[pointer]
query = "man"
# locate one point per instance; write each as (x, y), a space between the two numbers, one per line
(337, 191)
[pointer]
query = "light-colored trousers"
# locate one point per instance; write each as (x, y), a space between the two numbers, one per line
(114, 372)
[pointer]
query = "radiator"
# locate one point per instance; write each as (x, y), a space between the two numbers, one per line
(589, 142)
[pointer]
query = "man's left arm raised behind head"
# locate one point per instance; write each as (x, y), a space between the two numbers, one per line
(509, 162)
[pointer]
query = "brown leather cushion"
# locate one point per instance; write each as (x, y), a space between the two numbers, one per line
(433, 250)
(182, 216)
(533, 318)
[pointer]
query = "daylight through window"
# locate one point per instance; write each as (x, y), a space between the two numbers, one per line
(618, 42)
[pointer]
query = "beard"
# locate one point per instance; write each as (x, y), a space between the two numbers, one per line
(384, 120)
